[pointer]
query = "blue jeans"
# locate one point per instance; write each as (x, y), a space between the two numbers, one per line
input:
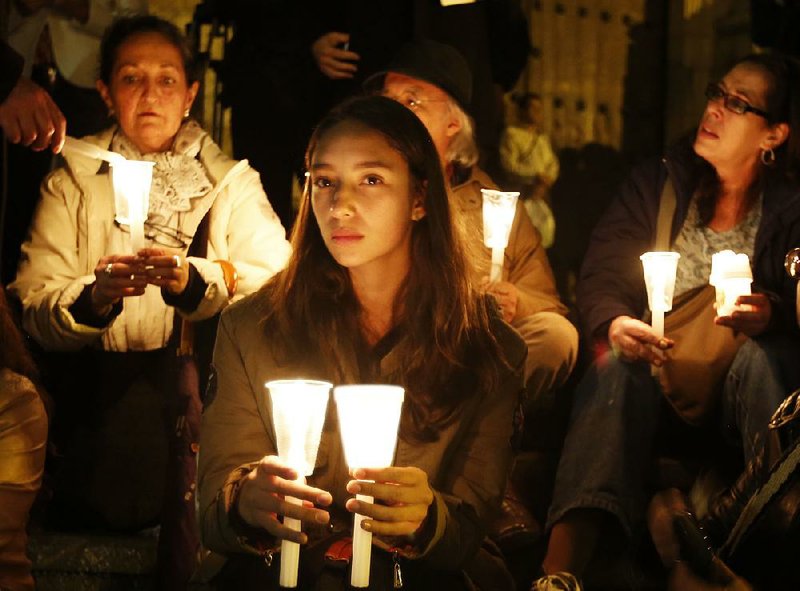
(608, 449)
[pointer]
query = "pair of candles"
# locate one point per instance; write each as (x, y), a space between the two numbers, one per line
(730, 275)
(369, 416)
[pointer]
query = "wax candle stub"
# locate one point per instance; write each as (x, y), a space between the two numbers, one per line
(732, 277)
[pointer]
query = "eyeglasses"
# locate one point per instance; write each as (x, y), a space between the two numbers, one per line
(410, 100)
(732, 103)
(162, 235)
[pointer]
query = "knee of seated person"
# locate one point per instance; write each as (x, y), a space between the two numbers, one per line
(613, 376)
(22, 410)
(23, 421)
(552, 342)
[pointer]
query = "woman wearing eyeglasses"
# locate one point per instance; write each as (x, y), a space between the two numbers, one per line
(84, 289)
(735, 187)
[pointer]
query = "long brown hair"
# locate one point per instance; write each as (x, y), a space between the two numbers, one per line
(447, 344)
(782, 101)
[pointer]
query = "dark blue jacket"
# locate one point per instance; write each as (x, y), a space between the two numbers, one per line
(611, 281)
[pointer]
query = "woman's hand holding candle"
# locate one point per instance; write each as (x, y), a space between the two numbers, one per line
(751, 316)
(170, 271)
(633, 340)
(261, 499)
(117, 277)
(404, 496)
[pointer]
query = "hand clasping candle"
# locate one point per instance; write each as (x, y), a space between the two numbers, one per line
(369, 416)
(298, 415)
(731, 275)
(498, 215)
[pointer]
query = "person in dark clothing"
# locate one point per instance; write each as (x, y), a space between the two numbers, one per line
(764, 554)
(28, 115)
(289, 62)
(735, 188)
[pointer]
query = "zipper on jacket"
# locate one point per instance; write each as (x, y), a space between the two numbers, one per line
(268, 555)
(398, 574)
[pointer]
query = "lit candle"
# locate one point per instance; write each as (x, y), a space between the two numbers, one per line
(369, 416)
(298, 415)
(131, 181)
(498, 215)
(659, 278)
(731, 276)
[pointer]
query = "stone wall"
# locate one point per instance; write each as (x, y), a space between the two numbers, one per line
(705, 37)
(629, 74)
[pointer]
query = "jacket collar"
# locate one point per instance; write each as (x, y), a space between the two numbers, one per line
(217, 164)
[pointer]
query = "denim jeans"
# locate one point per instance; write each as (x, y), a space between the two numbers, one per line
(608, 449)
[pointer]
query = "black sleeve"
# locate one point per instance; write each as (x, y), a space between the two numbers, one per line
(83, 313)
(191, 296)
(11, 64)
(611, 281)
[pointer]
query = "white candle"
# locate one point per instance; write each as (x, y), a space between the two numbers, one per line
(659, 277)
(731, 275)
(496, 273)
(369, 416)
(131, 181)
(658, 323)
(298, 415)
(290, 551)
(362, 549)
(499, 208)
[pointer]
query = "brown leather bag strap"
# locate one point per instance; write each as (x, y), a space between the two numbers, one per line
(198, 248)
(666, 211)
(230, 275)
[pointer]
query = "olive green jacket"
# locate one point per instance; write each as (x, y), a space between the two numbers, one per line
(467, 466)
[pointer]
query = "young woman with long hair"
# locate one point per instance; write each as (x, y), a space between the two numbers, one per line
(376, 291)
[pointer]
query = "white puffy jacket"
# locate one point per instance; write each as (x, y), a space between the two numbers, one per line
(71, 231)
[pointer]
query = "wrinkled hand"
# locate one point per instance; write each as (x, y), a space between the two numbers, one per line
(403, 498)
(261, 499)
(170, 271)
(117, 277)
(751, 318)
(506, 295)
(633, 340)
(683, 579)
(333, 61)
(29, 117)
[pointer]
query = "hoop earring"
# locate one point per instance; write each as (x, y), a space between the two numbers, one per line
(768, 157)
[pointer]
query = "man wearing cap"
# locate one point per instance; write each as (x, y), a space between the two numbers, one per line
(434, 81)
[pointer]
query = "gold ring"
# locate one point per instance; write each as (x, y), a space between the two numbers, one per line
(177, 260)
(109, 267)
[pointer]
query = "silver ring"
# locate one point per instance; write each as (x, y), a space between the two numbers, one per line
(109, 267)
(177, 260)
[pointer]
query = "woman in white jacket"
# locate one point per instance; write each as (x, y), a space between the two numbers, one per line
(84, 289)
